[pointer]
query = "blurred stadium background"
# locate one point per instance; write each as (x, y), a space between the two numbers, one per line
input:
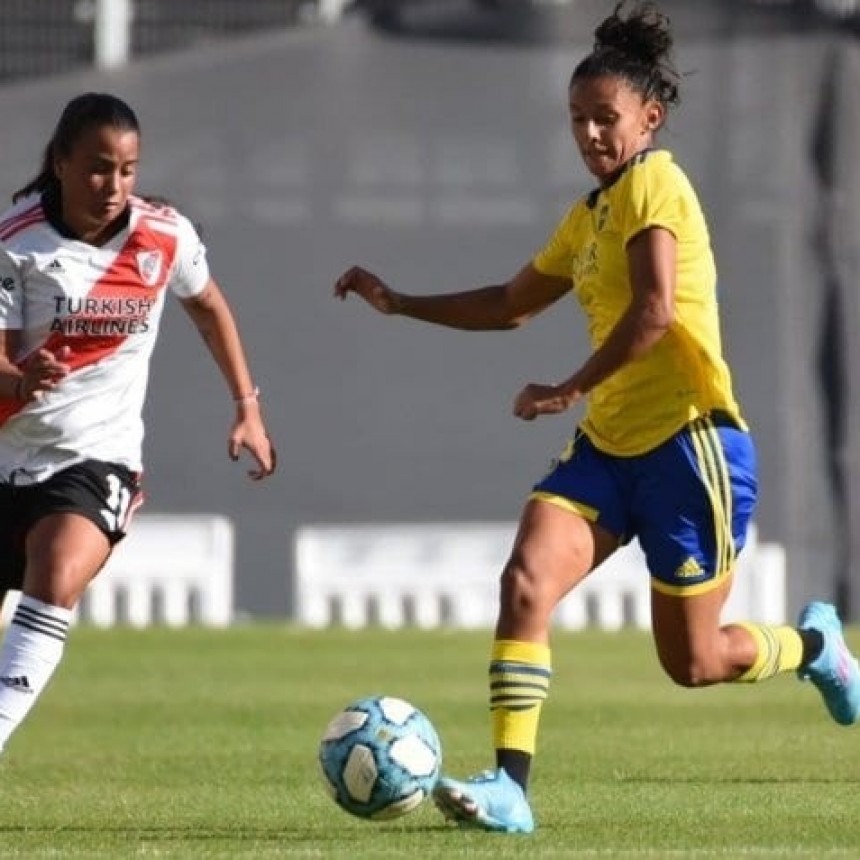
(429, 140)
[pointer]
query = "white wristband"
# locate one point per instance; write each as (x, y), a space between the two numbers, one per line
(247, 398)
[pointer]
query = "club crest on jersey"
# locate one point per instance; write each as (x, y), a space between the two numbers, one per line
(149, 266)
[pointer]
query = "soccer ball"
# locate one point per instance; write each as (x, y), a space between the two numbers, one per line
(380, 757)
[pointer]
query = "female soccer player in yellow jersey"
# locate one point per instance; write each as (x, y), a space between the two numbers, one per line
(662, 452)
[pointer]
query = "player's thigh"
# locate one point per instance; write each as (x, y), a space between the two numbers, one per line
(575, 517)
(554, 550)
(687, 629)
(559, 546)
(73, 520)
(697, 495)
(64, 552)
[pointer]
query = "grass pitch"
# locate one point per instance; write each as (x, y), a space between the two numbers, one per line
(196, 743)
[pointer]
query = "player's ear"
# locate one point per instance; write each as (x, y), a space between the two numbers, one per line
(654, 115)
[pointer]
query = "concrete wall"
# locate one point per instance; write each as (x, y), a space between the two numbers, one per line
(444, 165)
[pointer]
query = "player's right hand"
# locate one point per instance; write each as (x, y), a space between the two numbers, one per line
(43, 371)
(371, 288)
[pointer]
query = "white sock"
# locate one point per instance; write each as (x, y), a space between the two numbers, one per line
(32, 648)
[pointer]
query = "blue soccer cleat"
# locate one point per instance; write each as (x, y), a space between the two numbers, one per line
(488, 801)
(835, 671)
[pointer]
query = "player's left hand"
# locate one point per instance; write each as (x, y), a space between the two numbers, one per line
(250, 434)
(536, 399)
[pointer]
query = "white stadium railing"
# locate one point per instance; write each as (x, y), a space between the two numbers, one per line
(430, 575)
(171, 569)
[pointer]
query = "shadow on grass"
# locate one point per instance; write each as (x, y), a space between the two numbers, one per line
(192, 832)
(739, 780)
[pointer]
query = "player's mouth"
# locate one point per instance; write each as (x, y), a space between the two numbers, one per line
(596, 154)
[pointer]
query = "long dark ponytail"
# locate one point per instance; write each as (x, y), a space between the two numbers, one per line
(81, 114)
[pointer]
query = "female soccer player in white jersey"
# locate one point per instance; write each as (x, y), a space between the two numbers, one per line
(85, 267)
(662, 452)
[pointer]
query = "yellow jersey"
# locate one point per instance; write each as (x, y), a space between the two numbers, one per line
(684, 374)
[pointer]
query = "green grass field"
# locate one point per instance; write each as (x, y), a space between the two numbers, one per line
(196, 743)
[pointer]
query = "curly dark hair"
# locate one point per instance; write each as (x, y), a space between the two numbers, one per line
(635, 43)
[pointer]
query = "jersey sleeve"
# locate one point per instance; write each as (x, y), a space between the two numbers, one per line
(556, 256)
(655, 198)
(11, 293)
(191, 269)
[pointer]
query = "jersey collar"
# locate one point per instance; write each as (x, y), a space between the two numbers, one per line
(591, 199)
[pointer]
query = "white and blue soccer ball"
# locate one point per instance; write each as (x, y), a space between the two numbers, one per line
(380, 757)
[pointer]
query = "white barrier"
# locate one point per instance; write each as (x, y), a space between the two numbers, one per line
(171, 569)
(430, 575)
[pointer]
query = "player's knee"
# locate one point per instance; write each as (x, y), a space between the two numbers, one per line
(521, 591)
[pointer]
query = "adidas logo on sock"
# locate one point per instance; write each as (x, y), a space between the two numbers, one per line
(19, 683)
(55, 266)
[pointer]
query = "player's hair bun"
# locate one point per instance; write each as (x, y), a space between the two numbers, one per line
(643, 33)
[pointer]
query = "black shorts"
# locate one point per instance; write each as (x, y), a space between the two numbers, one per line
(104, 493)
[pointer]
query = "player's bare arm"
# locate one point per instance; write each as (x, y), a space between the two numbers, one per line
(650, 314)
(211, 314)
(497, 307)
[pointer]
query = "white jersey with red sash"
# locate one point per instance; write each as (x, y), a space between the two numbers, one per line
(103, 304)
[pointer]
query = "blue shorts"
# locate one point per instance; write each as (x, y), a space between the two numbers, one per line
(688, 501)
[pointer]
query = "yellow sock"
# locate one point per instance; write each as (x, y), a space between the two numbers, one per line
(519, 683)
(779, 650)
